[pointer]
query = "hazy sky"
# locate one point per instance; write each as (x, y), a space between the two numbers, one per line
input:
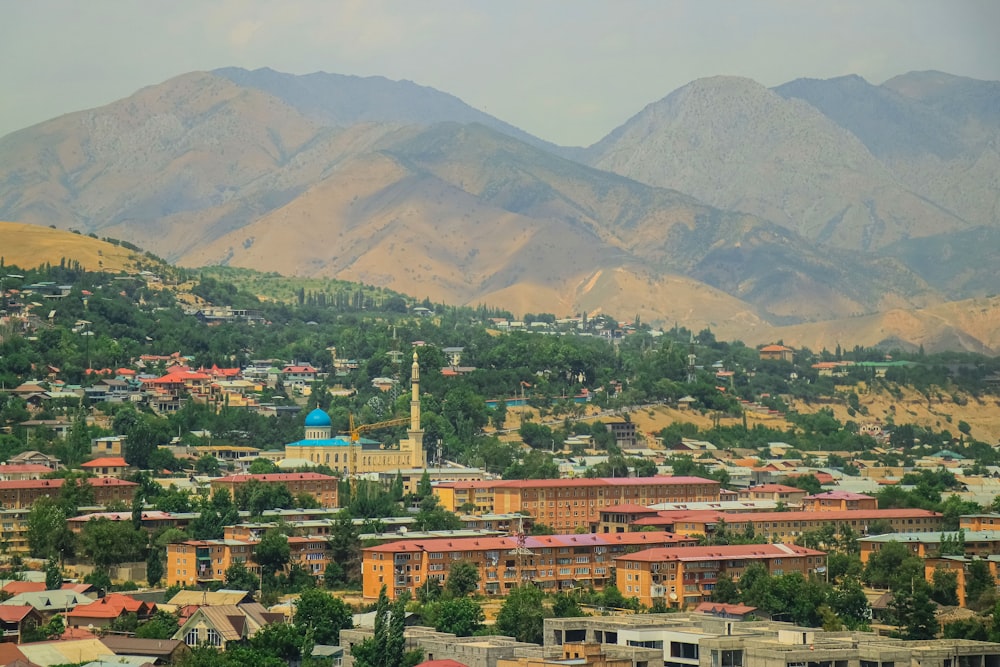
(566, 70)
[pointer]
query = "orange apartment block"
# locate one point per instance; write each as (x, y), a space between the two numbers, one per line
(786, 526)
(782, 493)
(833, 501)
(18, 494)
(453, 496)
(978, 544)
(568, 504)
(552, 562)
(979, 522)
(106, 466)
(684, 578)
(322, 487)
(195, 561)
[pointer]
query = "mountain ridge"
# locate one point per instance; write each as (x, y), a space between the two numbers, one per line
(222, 166)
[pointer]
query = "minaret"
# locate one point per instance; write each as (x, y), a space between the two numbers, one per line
(415, 435)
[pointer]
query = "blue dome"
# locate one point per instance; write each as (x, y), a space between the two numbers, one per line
(318, 418)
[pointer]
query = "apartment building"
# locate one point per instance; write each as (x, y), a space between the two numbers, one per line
(321, 487)
(981, 543)
(17, 494)
(568, 504)
(782, 493)
(199, 561)
(625, 518)
(472, 496)
(552, 562)
(978, 522)
(839, 501)
(698, 640)
(684, 578)
(787, 526)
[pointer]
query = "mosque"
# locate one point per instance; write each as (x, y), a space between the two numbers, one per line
(321, 447)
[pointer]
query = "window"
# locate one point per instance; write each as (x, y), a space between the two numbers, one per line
(191, 638)
(214, 638)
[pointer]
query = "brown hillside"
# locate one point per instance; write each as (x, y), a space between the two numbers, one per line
(31, 246)
(971, 324)
(983, 416)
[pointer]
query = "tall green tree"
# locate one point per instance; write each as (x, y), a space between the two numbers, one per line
(385, 648)
(272, 552)
(239, 578)
(944, 587)
(108, 542)
(725, 590)
(522, 615)
(48, 533)
(53, 575)
(462, 617)
(324, 615)
(913, 612)
(978, 580)
(463, 579)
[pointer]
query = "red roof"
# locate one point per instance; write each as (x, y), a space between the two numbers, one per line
(56, 483)
(906, 513)
(15, 613)
(111, 606)
(298, 369)
(743, 551)
(717, 608)
(24, 467)
(106, 462)
(18, 587)
(839, 495)
(274, 477)
(442, 663)
(629, 508)
(10, 654)
(775, 348)
(531, 542)
(603, 481)
(775, 488)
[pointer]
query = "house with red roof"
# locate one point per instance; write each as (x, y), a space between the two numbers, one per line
(776, 353)
(781, 493)
(14, 619)
(834, 501)
(23, 471)
(107, 466)
(298, 374)
(104, 611)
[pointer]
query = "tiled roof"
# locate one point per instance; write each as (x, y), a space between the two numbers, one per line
(14, 613)
(723, 608)
(775, 488)
(56, 483)
(276, 477)
(603, 481)
(839, 495)
(629, 508)
(744, 551)
(532, 542)
(106, 462)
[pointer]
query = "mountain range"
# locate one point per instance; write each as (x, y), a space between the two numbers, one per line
(761, 213)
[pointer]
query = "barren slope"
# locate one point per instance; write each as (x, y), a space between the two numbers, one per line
(31, 246)
(737, 145)
(971, 324)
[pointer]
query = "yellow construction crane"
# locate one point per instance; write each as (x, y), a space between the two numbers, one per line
(355, 434)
